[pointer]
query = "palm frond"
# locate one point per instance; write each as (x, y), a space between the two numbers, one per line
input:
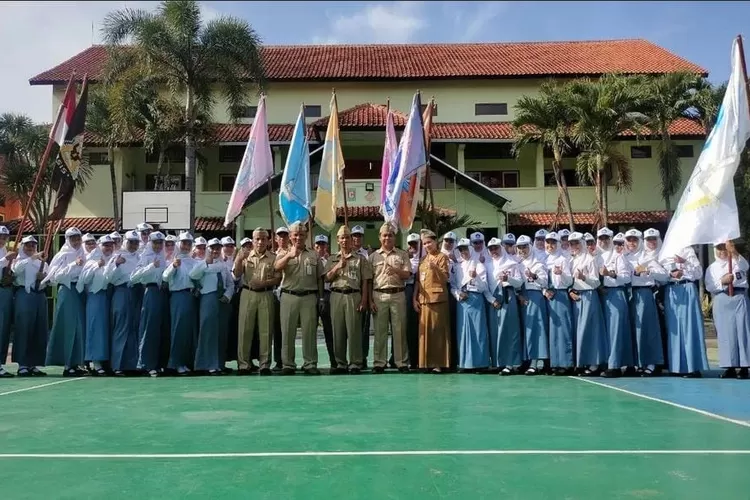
(442, 223)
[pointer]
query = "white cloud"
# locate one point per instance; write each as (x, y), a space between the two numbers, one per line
(474, 23)
(36, 36)
(393, 22)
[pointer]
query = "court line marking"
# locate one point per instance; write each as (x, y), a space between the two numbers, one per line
(41, 386)
(366, 453)
(664, 401)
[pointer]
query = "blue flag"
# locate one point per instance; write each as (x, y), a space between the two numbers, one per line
(294, 198)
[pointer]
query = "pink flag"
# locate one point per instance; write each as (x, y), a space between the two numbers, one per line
(256, 166)
(389, 156)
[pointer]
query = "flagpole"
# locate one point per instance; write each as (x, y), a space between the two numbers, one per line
(42, 167)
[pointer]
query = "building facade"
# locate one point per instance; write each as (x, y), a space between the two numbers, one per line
(473, 169)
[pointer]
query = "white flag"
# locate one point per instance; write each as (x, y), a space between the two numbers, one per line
(707, 212)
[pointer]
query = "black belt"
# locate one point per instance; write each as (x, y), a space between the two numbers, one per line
(344, 291)
(264, 289)
(390, 290)
(303, 293)
(152, 285)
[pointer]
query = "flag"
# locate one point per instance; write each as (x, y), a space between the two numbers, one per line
(331, 173)
(408, 206)
(64, 116)
(256, 167)
(410, 161)
(389, 156)
(294, 198)
(707, 211)
(68, 162)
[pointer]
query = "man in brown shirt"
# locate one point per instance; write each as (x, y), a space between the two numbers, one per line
(391, 268)
(301, 287)
(349, 274)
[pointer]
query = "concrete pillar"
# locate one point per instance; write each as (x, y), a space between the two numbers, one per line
(539, 166)
(277, 166)
(239, 229)
(461, 163)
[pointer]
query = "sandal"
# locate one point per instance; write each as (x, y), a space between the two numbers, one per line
(37, 372)
(5, 374)
(647, 373)
(531, 371)
(24, 372)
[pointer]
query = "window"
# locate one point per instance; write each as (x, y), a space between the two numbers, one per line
(98, 158)
(246, 111)
(434, 109)
(685, 150)
(173, 154)
(173, 182)
(312, 111)
(491, 108)
(496, 178)
(488, 151)
(571, 179)
(640, 152)
(226, 182)
(231, 154)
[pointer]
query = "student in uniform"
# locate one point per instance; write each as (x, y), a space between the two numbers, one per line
(358, 234)
(509, 246)
(148, 274)
(391, 267)
(216, 288)
(30, 309)
(6, 298)
(503, 278)
(534, 313)
(412, 318)
(254, 269)
(448, 248)
(468, 285)
(229, 311)
(301, 295)
(730, 313)
(144, 230)
(324, 312)
(182, 307)
(125, 306)
(592, 347)
(66, 342)
(282, 245)
(349, 274)
(564, 245)
(116, 239)
(561, 334)
(170, 242)
(89, 244)
(199, 248)
(98, 305)
(539, 251)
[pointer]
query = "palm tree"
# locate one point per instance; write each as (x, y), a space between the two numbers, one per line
(546, 118)
(100, 121)
(668, 97)
(707, 101)
(440, 222)
(601, 110)
(188, 55)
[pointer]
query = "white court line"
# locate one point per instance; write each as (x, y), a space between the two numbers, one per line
(41, 385)
(140, 456)
(670, 403)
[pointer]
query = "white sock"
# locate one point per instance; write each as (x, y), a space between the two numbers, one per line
(97, 365)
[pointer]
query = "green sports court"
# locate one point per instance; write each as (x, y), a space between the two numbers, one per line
(374, 436)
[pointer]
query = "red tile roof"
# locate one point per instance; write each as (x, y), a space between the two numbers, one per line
(430, 61)
(365, 116)
(472, 131)
(372, 213)
(548, 218)
(102, 225)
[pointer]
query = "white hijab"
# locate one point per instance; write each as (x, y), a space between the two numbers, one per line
(65, 256)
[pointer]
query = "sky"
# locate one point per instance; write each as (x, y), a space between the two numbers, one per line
(35, 36)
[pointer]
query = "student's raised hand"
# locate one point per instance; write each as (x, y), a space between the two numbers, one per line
(101, 262)
(119, 260)
(176, 262)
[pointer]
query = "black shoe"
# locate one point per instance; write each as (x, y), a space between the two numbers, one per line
(264, 372)
(693, 375)
(254, 368)
(312, 371)
(288, 371)
(630, 372)
(226, 370)
(729, 373)
(378, 369)
(612, 373)
(278, 368)
(355, 371)
(5, 374)
(243, 372)
(742, 374)
(337, 371)
(404, 369)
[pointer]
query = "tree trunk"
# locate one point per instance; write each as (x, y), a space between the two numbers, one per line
(158, 182)
(562, 189)
(190, 155)
(602, 182)
(113, 181)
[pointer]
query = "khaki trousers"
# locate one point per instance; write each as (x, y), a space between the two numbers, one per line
(303, 311)
(347, 325)
(391, 313)
(260, 306)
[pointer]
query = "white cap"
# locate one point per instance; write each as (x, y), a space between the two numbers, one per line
(413, 237)
(357, 230)
(245, 241)
(105, 239)
(144, 227)
(633, 233)
(563, 233)
(576, 236)
(651, 233)
(88, 237)
(227, 240)
(200, 240)
(73, 231)
(450, 235)
(541, 234)
(171, 237)
(553, 236)
(464, 242)
(282, 229)
(523, 240)
(28, 239)
(605, 231)
(619, 237)
(587, 237)
(132, 236)
(321, 238)
(214, 242)
(4, 230)
(494, 242)
(115, 236)
(509, 239)
(476, 237)
(156, 236)
(185, 236)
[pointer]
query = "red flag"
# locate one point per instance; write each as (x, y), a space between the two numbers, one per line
(64, 116)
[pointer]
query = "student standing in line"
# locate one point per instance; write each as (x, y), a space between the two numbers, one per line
(228, 312)
(412, 318)
(324, 312)
(98, 305)
(66, 342)
(6, 298)
(170, 243)
(534, 316)
(89, 244)
(30, 311)
(358, 234)
(282, 245)
(730, 313)
(125, 306)
(561, 334)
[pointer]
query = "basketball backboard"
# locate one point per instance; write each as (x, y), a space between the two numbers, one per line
(165, 209)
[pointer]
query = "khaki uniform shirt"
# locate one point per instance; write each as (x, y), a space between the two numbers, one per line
(352, 276)
(301, 273)
(433, 285)
(259, 267)
(396, 259)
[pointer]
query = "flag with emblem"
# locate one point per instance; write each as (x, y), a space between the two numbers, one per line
(330, 189)
(68, 162)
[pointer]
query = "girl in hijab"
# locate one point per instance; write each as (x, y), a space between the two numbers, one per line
(89, 244)
(559, 308)
(230, 311)
(216, 288)
(592, 347)
(534, 313)
(686, 346)
(170, 245)
(30, 311)
(124, 344)
(730, 312)
(643, 313)
(148, 273)
(98, 308)
(503, 278)
(6, 298)
(66, 344)
(468, 285)
(182, 307)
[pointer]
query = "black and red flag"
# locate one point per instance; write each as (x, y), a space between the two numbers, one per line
(68, 163)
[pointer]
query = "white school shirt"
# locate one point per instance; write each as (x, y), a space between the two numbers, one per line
(691, 268)
(120, 275)
(92, 277)
(535, 266)
(178, 278)
(209, 276)
(67, 271)
(25, 270)
(147, 273)
(616, 262)
(655, 272)
(561, 281)
(3, 258)
(496, 267)
(587, 264)
(461, 280)
(721, 267)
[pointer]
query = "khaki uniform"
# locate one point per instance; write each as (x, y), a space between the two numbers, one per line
(390, 299)
(434, 317)
(299, 305)
(257, 304)
(346, 296)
